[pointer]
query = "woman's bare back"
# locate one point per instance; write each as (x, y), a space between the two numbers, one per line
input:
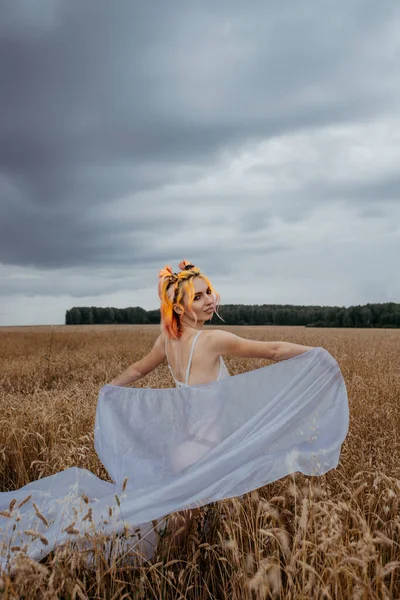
(205, 364)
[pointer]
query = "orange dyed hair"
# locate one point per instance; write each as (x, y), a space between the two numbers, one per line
(172, 287)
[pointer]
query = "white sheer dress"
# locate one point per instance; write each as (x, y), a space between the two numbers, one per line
(171, 449)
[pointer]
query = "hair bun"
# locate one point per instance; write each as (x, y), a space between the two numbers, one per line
(165, 272)
(185, 265)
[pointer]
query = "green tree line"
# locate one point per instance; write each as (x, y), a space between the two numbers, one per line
(368, 315)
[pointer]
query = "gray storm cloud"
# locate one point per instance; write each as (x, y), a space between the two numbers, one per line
(119, 126)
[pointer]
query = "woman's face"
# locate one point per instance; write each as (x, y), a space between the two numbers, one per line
(203, 304)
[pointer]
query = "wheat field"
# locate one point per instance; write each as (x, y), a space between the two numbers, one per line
(335, 536)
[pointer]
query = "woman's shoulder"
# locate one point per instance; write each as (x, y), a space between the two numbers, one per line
(206, 335)
(211, 337)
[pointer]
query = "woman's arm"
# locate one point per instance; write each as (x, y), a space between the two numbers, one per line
(289, 350)
(224, 342)
(128, 376)
(142, 367)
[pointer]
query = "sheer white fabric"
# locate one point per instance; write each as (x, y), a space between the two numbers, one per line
(185, 447)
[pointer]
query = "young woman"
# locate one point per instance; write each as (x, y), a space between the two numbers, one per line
(188, 300)
(171, 450)
(194, 356)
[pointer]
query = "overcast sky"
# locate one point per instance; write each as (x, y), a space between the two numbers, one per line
(259, 140)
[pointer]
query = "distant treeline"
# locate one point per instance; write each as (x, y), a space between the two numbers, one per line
(368, 315)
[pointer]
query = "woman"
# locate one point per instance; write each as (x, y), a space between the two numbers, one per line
(194, 356)
(188, 300)
(172, 450)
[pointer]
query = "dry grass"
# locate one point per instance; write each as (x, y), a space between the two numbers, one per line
(335, 536)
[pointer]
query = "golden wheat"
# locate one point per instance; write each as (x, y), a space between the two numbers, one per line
(336, 536)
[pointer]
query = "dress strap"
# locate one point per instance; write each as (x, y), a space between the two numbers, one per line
(189, 363)
(169, 366)
(190, 357)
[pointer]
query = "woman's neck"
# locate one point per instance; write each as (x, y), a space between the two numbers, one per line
(188, 327)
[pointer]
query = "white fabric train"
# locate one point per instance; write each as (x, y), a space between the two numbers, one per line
(184, 447)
